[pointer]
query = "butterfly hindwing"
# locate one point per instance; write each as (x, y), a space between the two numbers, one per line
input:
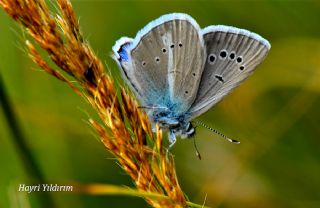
(232, 55)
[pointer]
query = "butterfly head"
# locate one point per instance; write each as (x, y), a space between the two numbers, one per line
(186, 130)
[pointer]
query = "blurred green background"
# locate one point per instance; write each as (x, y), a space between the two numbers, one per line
(275, 113)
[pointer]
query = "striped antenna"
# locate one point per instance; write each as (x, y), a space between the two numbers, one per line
(217, 132)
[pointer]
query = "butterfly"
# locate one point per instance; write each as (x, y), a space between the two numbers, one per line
(178, 71)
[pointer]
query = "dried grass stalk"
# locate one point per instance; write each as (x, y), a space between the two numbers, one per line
(137, 149)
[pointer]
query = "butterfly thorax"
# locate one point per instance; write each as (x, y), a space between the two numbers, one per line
(175, 123)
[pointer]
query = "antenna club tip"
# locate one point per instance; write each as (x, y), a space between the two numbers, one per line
(198, 155)
(235, 141)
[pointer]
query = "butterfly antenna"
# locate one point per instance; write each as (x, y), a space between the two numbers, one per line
(195, 146)
(218, 133)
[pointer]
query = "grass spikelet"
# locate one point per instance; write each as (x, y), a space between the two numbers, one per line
(125, 130)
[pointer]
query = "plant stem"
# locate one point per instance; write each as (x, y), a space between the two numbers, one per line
(104, 189)
(30, 165)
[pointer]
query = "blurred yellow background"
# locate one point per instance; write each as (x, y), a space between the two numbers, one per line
(275, 113)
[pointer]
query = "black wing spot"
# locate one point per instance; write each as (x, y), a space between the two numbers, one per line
(241, 68)
(172, 46)
(157, 59)
(218, 77)
(164, 50)
(239, 59)
(194, 74)
(180, 45)
(211, 58)
(232, 55)
(143, 63)
(223, 53)
(186, 92)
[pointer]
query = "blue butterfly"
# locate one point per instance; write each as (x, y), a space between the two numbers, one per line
(178, 71)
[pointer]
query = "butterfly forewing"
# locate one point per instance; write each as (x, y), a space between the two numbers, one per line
(232, 55)
(165, 61)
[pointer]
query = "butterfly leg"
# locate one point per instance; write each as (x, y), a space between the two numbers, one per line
(172, 140)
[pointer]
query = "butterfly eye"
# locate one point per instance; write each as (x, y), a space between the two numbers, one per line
(211, 58)
(239, 59)
(223, 54)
